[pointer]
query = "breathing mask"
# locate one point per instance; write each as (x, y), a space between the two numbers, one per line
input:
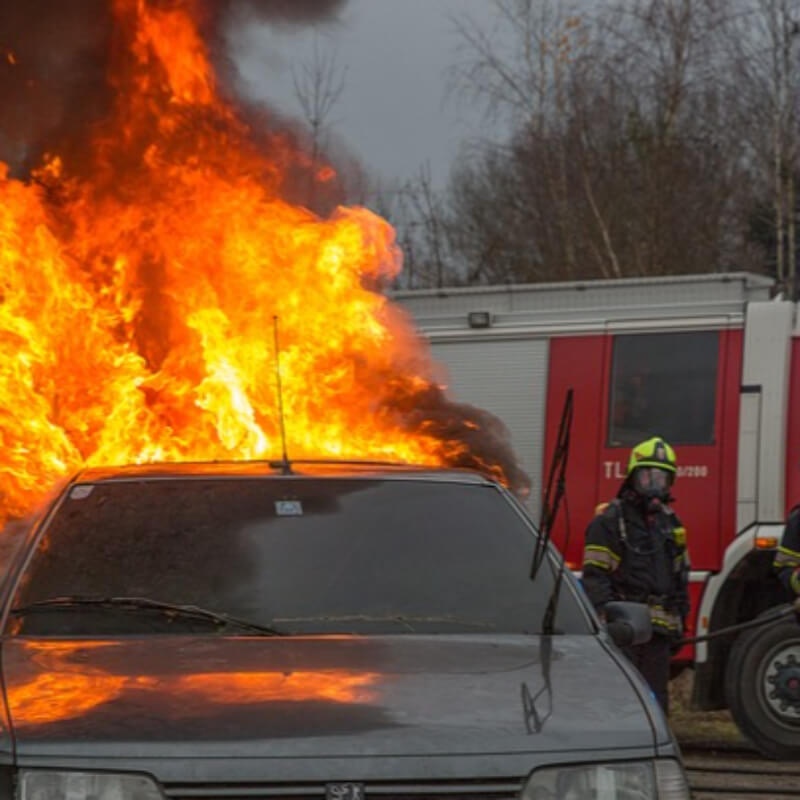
(652, 482)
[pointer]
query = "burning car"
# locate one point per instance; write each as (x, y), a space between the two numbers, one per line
(310, 631)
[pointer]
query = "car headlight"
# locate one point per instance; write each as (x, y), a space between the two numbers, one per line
(52, 785)
(662, 779)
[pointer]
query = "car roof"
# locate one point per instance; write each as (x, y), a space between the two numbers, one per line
(279, 469)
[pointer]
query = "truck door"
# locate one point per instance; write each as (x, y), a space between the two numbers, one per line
(682, 386)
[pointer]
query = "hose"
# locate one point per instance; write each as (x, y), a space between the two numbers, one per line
(772, 619)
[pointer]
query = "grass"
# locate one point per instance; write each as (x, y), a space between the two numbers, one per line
(699, 728)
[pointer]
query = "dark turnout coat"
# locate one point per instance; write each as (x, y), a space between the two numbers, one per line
(639, 556)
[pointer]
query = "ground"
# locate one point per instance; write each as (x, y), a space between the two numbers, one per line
(720, 763)
(693, 728)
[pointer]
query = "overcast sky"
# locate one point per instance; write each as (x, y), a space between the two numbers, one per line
(394, 113)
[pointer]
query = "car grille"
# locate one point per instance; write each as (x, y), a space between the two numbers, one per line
(436, 790)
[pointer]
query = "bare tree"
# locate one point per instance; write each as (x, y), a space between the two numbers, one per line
(762, 39)
(318, 87)
(622, 159)
(425, 229)
(520, 71)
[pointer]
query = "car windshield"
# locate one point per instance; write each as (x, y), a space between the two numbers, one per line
(303, 555)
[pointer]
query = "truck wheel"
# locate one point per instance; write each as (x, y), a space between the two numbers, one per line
(762, 687)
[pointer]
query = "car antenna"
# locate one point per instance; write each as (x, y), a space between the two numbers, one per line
(555, 490)
(284, 463)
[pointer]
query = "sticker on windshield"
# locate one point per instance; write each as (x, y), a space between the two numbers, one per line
(80, 492)
(288, 508)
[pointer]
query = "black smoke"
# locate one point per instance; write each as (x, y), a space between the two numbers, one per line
(52, 73)
(486, 440)
(55, 56)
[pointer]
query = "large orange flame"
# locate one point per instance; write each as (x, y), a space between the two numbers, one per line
(141, 279)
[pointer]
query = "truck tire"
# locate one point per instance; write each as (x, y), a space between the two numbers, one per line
(762, 687)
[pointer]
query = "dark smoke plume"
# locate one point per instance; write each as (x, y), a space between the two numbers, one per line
(52, 72)
(486, 437)
(54, 59)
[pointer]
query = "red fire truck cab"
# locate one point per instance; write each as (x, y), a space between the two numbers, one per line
(709, 362)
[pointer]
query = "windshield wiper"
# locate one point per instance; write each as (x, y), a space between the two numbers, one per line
(554, 492)
(146, 603)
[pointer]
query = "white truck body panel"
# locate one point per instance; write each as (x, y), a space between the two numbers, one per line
(767, 356)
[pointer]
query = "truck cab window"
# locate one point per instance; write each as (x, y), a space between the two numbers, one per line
(663, 384)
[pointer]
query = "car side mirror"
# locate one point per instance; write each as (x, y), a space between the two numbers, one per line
(628, 623)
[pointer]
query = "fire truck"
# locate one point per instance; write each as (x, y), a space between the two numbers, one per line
(709, 362)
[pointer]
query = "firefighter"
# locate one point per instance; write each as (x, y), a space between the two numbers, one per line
(787, 559)
(636, 550)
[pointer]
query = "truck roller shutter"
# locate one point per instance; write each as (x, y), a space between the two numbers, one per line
(509, 379)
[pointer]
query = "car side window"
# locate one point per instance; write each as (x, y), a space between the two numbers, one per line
(663, 384)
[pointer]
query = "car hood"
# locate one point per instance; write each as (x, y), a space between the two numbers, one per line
(320, 697)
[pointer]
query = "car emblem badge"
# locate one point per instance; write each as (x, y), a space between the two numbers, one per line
(345, 791)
